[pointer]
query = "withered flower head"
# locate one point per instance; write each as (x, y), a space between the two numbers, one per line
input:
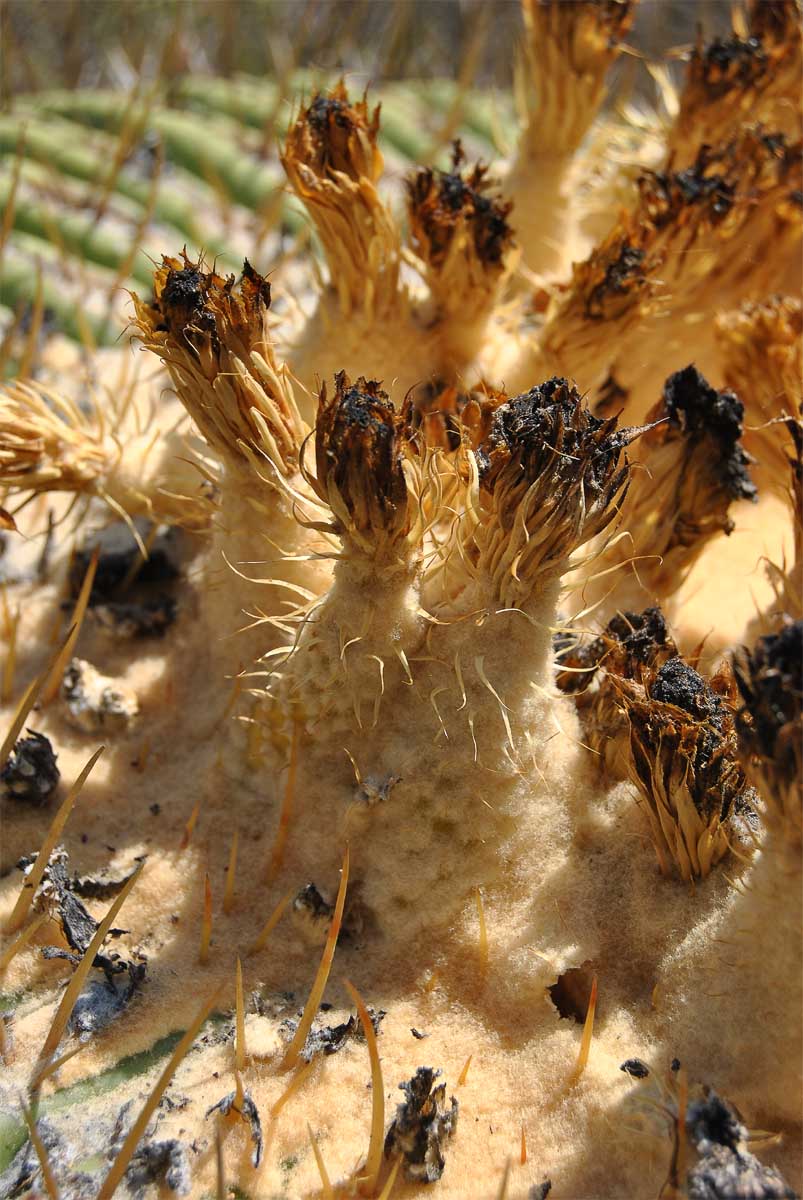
(630, 647)
(333, 163)
(569, 48)
(458, 206)
(770, 721)
(552, 476)
(361, 471)
(334, 135)
(737, 79)
(722, 221)
(693, 467)
(684, 762)
(761, 345)
(213, 336)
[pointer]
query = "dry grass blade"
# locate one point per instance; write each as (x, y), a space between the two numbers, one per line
(118, 1168)
(206, 923)
(295, 1083)
(277, 853)
(391, 1179)
(27, 702)
(53, 684)
(231, 874)
(22, 940)
(79, 976)
(305, 1024)
(374, 1160)
(239, 1047)
(326, 1185)
(271, 923)
(588, 1030)
(33, 880)
(51, 1187)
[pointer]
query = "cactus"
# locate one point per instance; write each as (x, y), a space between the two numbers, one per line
(381, 813)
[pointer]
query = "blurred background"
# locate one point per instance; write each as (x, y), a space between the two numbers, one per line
(131, 128)
(102, 43)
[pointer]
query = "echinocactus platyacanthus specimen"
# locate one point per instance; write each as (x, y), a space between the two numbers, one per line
(431, 630)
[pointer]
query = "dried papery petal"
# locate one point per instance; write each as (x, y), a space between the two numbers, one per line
(770, 722)
(630, 647)
(50, 444)
(761, 347)
(569, 49)
(362, 472)
(736, 79)
(333, 163)
(684, 763)
(552, 476)
(213, 336)
(449, 417)
(693, 468)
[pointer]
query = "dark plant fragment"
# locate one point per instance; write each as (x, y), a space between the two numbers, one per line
(359, 439)
(770, 721)
(635, 1068)
(329, 1039)
(247, 1110)
(552, 476)
(441, 202)
(155, 1163)
(725, 1169)
(30, 774)
(684, 762)
(57, 896)
(421, 1126)
(126, 620)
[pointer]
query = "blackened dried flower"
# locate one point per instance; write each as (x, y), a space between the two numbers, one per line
(361, 472)
(685, 764)
(770, 721)
(552, 476)
(423, 1123)
(213, 335)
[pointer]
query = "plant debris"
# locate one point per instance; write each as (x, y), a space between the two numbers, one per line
(312, 914)
(93, 702)
(120, 556)
(444, 204)
(31, 773)
(57, 896)
(127, 620)
(359, 439)
(421, 1126)
(770, 721)
(23, 1176)
(552, 476)
(165, 1163)
(247, 1110)
(684, 762)
(725, 1168)
(635, 1068)
(329, 1039)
